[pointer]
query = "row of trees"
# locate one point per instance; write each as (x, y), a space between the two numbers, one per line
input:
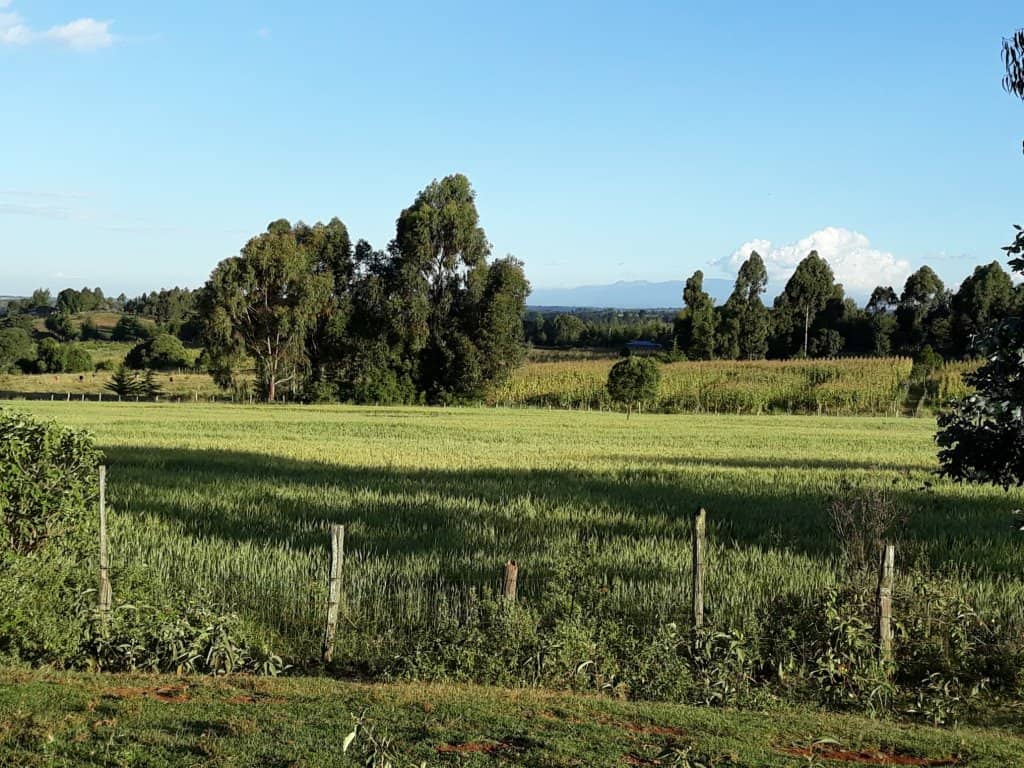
(596, 327)
(427, 319)
(813, 317)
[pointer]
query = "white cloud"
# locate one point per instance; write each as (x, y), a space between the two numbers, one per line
(856, 264)
(12, 31)
(85, 34)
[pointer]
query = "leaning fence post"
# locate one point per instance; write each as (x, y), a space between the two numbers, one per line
(509, 583)
(886, 575)
(698, 568)
(105, 592)
(334, 589)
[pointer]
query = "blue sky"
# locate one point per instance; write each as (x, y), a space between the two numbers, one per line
(142, 143)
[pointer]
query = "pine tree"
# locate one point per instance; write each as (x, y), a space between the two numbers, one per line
(124, 383)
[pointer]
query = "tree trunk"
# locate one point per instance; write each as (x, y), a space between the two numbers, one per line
(271, 389)
(807, 323)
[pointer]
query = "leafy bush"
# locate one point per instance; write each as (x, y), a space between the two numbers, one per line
(634, 381)
(48, 486)
(17, 350)
(131, 328)
(48, 480)
(62, 358)
(161, 352)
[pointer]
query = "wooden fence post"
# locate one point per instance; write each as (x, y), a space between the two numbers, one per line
(886, 576)
(105, 591)
(508, 584)
(334, 589)
(699, 521)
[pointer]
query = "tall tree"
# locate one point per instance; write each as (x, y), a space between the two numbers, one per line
(500, 331)
(751, 283)
(984, 298)
(806, 294)
(438, 244)
(700, 310)
(262, 303)
(922, 304)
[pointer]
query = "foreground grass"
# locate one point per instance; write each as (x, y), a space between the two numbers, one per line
(52, 719)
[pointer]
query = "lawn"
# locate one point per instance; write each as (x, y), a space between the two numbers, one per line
(53, 719)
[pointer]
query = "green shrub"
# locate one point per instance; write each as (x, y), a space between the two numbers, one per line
(162, 352)
(48, 481)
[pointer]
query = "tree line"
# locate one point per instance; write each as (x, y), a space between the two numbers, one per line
(428, 319)
(813, 317)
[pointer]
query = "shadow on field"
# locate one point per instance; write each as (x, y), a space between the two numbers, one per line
(772, 463)
(252, 497)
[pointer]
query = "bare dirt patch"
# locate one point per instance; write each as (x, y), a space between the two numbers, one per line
(170, 694)
(867, 756)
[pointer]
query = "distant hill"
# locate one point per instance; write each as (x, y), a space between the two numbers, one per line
(626, 294)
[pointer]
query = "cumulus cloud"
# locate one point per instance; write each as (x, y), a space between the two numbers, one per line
(856, 264)
(85, 34)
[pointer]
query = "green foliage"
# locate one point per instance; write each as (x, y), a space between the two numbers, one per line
(47, 481)
(131, 328)
(634, 381)
(54, 357)
(807, 292)
(17, 350)
(698, 320)
(162, 352)
(61, 325)
(981, 437)
(262, 303)
(124, 383)
(983, 299)
(187, 638)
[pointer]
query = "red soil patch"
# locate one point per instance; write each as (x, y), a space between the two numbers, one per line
(174, 694)
(486, 747)
(650, 729)
(867, 757)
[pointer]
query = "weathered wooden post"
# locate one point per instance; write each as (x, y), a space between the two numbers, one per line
(509, 582)
(886, 576)
(105, 591)
(699, 524)
(334, 589)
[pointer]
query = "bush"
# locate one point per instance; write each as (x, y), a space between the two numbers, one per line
(634, 381)
(131, 328)
(48, 488)
(162, 352)
(62, 358)
(47, 481)
(63, 327)
(17, 350)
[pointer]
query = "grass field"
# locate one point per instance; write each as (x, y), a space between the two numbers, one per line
(843, 386)
(49, 719)
(234, 501)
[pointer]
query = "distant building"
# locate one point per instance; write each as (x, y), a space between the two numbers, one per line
(640, 347)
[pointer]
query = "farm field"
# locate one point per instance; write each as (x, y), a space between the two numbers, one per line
(575, 379)
(55, 719)
(232, 502)
(842, 386)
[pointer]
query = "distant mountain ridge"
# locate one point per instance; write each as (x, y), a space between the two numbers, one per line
(626, 294)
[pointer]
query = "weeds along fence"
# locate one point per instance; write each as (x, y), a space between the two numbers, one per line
(316, 600)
